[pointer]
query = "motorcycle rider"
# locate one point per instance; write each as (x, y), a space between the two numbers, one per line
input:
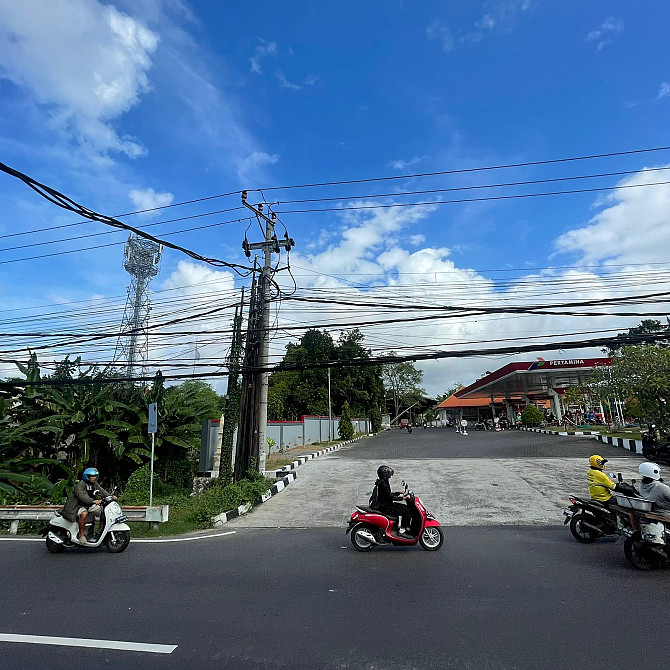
(390, 503)
(652, 488)
(84, 500)
(600, 485)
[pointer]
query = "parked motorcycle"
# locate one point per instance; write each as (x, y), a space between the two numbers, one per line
(371, 528)
(590, 519)
(61, 533)
(652, 449)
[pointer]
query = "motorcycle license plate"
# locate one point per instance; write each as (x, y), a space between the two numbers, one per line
(568, 513)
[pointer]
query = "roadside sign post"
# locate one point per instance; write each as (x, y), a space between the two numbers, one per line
(153, 427)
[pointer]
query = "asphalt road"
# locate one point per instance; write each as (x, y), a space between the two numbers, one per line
(494, 597)
(435, 443)
(503, 598)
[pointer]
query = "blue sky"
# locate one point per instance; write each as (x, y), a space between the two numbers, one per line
(126, 105)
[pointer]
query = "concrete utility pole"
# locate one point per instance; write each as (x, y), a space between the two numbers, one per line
(269, 246)
(330, 413)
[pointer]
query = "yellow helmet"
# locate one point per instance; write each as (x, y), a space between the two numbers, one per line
(597, 462)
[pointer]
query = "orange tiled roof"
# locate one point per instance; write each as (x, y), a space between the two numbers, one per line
(452, 402)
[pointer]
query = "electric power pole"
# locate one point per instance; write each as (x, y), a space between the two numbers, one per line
(231, 411)
(271, 245)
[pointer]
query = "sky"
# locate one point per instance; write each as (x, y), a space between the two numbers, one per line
(126, 106)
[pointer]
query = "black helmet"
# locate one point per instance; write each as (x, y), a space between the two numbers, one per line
(384, 472)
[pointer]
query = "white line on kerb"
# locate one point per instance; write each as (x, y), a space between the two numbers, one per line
(95, 644)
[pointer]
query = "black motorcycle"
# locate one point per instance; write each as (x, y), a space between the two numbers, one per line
(652, 449)
(590, 519)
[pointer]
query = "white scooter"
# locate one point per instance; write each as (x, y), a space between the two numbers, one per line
(61, 533)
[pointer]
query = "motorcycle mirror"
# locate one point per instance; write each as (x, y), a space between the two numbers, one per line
(610, 475)
(619, 477)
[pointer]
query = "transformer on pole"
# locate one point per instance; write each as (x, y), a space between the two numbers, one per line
(142, 261)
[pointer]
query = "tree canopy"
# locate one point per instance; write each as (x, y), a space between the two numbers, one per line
(68, 427)
(293, 394)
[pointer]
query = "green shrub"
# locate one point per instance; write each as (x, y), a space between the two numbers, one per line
(345, 429)
(136, 490)
(220, 498)
(531, 416)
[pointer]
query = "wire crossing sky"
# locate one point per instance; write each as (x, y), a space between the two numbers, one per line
(492, 157)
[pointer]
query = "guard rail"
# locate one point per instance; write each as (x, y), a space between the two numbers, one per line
(15, 513)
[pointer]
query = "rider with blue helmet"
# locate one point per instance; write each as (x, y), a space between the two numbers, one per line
(85, 500)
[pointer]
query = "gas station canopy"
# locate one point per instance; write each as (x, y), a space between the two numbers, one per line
(535, 380)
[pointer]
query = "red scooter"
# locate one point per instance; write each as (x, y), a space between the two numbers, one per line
(371, 528)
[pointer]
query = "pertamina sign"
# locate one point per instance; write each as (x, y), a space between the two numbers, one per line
(570, 363)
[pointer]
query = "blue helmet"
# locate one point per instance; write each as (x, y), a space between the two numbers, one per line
(89, 472)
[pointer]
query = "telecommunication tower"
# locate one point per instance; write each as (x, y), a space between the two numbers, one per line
(141, 260)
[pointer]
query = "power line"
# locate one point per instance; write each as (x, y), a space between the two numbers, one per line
(471, 187)
(63, 201)
(466, 170)
(462, 200)
(360, 362)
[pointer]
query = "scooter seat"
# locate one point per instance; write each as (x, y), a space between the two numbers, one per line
(370, 510)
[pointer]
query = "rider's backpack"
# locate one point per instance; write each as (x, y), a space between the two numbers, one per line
(374, 500)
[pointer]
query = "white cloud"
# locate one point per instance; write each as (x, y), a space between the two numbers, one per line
(664, 90)
(403, 165)
(634, 226)
(197, 288)
(86, 62)
(148, 199)
(285, 83)
(440, 31)
(262, 51)
(603, 34)
(416, 240)
(249, 165)
(501, 16)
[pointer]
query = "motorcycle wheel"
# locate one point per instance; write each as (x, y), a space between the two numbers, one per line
(360, 543)
(117, 542)
(432, 538)
(54, 547)
(579, 532)
(634, 549)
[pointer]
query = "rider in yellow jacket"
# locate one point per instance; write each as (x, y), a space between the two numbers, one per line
(600, 485)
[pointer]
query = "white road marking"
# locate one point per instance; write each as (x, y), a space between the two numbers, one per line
(184, 539)
(146, 541)
(94, 644)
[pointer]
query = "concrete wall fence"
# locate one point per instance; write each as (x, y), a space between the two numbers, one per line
(309, 430)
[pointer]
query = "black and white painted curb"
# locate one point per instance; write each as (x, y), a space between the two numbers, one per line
(225, 517)
(285, 476)
(308, 457)
(631, 445)
(560, 432)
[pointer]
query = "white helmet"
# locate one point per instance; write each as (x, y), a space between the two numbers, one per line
(650, 470)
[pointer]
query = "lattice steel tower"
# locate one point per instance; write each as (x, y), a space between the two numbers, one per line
(142, 261)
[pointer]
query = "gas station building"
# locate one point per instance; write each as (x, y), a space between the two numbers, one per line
(508, 390)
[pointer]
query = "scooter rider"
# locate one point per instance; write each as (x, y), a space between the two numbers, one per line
(652, 488)
(600, 485)
(390, 503)
(84, 500)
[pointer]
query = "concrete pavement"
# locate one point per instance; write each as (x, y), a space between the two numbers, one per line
(516, 488)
